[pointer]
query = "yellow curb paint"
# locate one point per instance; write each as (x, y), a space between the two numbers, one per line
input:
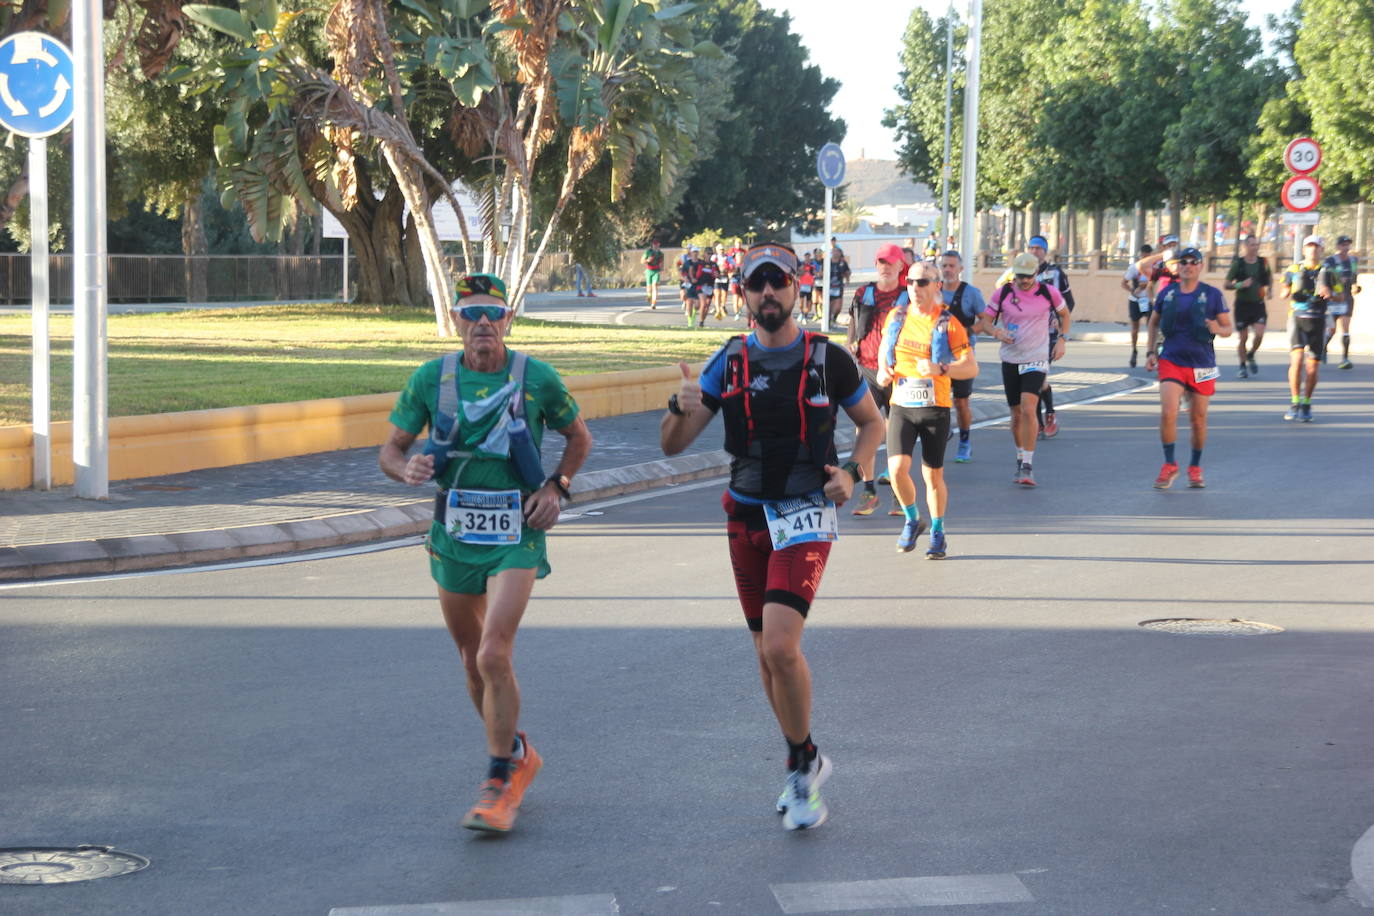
(170, 443)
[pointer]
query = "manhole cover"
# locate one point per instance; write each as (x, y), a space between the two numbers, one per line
(56, 865)
(1195, 626)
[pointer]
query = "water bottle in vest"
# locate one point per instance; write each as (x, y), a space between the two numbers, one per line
(939, 343)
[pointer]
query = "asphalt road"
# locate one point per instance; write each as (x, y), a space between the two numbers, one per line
(293, 738)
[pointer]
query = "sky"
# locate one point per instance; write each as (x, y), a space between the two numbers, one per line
(859, 43)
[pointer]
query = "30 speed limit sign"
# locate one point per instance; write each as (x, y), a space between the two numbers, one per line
(1302, 156)
(1301, 193)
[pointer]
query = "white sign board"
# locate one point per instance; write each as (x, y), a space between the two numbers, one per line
(445, 221)
(1309, 218)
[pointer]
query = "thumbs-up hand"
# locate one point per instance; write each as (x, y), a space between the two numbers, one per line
(689, 395)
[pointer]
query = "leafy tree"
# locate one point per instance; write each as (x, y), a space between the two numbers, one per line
(1335, 51)
(762, 171)
(481, 81)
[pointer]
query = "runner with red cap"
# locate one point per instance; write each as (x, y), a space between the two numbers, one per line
(867, 315)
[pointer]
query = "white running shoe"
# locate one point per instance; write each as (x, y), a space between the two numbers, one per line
(800, 803)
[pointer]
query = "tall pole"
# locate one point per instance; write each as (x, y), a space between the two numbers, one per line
(968, 175)
(90, 408)
(825, 309)
(38, 269)
(949, 117)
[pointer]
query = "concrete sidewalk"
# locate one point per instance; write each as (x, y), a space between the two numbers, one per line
(339, 498)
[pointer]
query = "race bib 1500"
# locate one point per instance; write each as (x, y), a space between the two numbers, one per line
(796, 521)
(914, 392)
(484, 516)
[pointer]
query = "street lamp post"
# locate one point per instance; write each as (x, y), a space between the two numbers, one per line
(968, 176)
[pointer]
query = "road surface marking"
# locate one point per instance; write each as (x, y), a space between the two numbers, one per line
(892, 893)
(578, 905)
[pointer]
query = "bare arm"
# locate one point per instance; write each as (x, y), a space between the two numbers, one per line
(1221, 325)
(871, 430)
(544, 504)
(1151, 353)
(414, 470)
(964, 367)
(676, 432)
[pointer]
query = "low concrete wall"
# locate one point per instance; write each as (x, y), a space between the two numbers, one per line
(156, 444)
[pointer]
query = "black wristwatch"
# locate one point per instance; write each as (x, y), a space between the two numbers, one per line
(561, 484)
(674, 408)
(854, 470)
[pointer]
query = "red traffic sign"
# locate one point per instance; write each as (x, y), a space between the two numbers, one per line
(1302, 156)
(1301, 193)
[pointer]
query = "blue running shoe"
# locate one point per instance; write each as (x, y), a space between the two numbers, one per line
(910, 532)
(936, 550)
(965, 453)
(1293, 412)
(1306, 413)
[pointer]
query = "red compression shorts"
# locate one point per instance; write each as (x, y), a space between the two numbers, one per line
(763, 575)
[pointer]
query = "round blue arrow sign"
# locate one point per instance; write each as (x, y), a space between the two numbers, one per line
(830, 165)
(35, 84)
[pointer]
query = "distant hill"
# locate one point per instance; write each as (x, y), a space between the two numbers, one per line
(880, 183)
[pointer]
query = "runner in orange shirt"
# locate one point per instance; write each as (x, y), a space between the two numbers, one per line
(924, 349)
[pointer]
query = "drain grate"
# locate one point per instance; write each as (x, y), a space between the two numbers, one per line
(58, 865)
(1197, 626)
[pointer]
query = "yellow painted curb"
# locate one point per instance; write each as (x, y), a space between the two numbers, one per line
(169, 443)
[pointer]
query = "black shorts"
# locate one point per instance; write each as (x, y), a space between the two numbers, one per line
(881, 395)
(1248, 313)
(1133, 307)
(1308, 333)
(961, 387)
(1018, 383)
(929, 424)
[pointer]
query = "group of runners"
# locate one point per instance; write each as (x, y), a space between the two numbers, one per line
(908, 354)
(709, 281)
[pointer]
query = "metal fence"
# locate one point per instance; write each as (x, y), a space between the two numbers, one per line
(178, 278)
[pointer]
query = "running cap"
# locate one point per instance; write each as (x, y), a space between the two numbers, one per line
(953, 254)
(1344, 240)
(693, 248)
(774, 253)
(1025, 264)
(1189, 252)
(1314, 240)
(1038, 240)
(1169, 240)
(479, 285)
(892, 254)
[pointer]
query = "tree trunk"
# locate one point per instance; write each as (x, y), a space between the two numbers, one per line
(376, 240)
(1175, 216)
(194, 246)
(1212, 229)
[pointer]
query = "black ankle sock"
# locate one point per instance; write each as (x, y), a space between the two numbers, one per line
(799, 756)
(1047, 398)
(499, 768)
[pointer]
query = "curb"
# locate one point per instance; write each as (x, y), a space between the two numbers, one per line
(104, 556)
(1362, 870)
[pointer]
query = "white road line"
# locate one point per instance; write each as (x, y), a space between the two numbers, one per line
(892, 893)
(579, 905)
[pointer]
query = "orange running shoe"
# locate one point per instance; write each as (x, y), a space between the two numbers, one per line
(523, 771)
(1166, 475)
(493, 812)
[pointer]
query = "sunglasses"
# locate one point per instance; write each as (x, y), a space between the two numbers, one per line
(1025, 276)
(1189, 262)
(767, 276)
(492, 313)
(920, 281)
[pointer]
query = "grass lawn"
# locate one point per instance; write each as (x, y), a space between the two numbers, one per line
(232, 357)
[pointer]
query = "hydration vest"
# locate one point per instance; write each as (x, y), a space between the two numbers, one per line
(816, 442)
(445, 426)
(867, 306)
(956, 306)
(1170, 319)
